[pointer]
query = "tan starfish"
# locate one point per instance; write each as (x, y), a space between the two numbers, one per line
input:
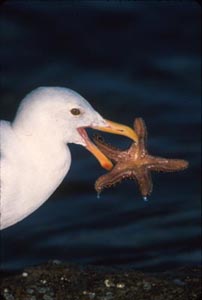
(135, 162)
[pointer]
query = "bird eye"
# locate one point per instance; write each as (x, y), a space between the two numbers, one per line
(75, 111)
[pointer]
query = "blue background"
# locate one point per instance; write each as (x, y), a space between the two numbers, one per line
(128, 59)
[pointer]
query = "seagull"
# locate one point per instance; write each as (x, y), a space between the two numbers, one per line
(35, 156)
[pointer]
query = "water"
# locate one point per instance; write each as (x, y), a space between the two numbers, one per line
(98, 196)
(145, 198)
(129, 59)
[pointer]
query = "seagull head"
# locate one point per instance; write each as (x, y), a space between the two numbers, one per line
(62, 115)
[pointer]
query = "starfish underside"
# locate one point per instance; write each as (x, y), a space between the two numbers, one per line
(135, 162)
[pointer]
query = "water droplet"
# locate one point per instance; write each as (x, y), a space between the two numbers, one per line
(145, 198)
(98, 195)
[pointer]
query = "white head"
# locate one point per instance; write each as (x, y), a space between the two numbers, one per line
(62, 114)
(57, 112)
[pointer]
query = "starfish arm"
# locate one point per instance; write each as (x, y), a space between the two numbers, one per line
(110, 151)
(135, 162)
(111, 178)
(141, 130)
(160, 164)
(144, 181)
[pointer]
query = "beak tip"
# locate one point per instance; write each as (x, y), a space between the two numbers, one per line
(108, 166)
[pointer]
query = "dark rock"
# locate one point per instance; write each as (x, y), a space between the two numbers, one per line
(66, 282)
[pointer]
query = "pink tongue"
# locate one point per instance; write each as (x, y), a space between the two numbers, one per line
(103, 160)
(83, 133)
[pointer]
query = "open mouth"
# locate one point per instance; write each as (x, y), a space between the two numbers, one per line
(83, 133)
(103, 160)
(110, 127)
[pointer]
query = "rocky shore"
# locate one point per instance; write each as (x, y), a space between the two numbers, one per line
(58, 281)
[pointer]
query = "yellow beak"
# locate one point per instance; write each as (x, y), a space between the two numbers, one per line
(110, 127)
(103, 160)
(116, 128)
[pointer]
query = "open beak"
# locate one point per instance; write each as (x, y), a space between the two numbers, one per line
(110, 127)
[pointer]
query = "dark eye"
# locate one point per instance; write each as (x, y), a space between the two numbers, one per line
(75, 111)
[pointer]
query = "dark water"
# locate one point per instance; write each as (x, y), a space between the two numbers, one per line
(128, 59)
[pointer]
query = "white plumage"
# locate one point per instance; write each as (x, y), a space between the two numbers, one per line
(34, 153)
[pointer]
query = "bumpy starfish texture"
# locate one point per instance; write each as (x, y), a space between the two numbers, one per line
(135, 162)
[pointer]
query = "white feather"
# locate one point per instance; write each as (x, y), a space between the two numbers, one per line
(34, 153)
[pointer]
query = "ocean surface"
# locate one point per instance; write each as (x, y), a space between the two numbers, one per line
(128, 59)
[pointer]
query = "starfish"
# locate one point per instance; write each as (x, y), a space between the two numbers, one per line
(135, 162)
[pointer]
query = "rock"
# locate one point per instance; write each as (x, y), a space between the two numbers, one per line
(120, 285)
(64, 282)
(30, 291)
(47, 297)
